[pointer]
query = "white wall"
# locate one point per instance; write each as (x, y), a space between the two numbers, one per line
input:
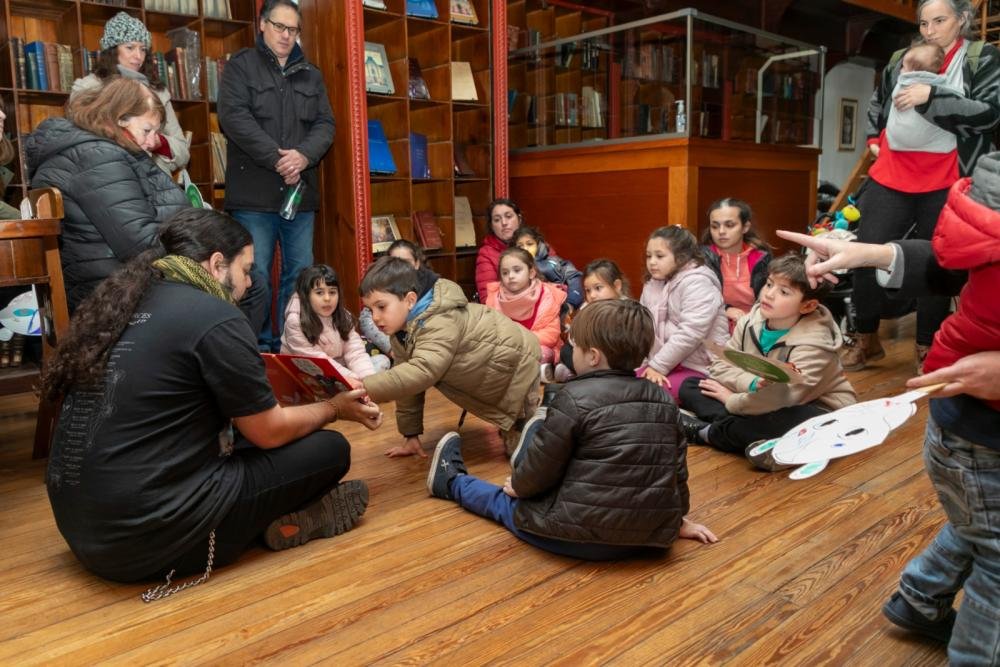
(851, 81)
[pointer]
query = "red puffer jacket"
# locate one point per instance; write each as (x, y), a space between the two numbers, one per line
(488, 263)
(967, 237)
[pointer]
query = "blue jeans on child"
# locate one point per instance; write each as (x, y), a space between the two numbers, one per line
(296, 239)
(489, 500)
(966, 553)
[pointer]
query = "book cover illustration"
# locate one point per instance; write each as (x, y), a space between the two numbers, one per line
(384, 232)
(463, 11)
(297, 379)
(378, 78)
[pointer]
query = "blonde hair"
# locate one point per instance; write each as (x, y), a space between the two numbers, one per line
(102, 110)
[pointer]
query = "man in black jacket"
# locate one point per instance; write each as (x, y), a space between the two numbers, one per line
(274, 111)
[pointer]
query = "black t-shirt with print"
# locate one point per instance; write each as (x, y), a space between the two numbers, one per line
(136, 475)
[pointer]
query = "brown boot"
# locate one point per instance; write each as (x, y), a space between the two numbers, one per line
(859, 349)
(920, 353)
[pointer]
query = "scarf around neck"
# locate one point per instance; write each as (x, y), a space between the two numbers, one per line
(180, 269)
(520, 306)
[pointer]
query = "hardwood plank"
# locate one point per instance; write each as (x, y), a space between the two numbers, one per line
(799, 576)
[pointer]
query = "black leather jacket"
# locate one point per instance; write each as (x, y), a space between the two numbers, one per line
(264, 107)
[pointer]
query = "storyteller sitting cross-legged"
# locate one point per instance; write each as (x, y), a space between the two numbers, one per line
(600, 474)
(145, 479)
(477, 357)
(787, 325)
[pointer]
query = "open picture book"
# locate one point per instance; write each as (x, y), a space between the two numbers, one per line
(296, 379)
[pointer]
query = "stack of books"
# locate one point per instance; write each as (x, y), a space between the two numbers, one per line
(218, 157)
(169, 6)
(213, 74)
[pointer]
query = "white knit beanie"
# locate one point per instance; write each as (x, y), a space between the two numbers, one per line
(124, 28)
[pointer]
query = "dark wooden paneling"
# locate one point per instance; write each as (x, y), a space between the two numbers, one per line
(586, 216)
(773, 196)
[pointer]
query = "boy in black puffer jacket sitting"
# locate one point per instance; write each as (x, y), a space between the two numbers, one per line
(600, 474)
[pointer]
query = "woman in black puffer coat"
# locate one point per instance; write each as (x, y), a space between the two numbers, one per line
(114, 195)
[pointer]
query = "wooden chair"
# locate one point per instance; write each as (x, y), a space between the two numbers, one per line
(29, 255)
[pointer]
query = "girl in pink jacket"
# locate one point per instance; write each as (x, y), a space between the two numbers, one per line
(531, 302)
(317, 325)
(685, 299)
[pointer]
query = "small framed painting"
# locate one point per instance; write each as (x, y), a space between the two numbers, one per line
(848, 126)
(384, 232)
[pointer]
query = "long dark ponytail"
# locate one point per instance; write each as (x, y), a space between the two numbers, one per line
(98, 323)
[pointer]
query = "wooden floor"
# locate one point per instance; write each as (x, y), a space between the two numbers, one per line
(798, 577)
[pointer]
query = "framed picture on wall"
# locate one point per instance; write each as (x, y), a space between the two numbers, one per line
(848, 127)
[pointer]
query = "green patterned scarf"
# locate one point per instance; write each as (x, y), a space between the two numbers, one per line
(180, 269)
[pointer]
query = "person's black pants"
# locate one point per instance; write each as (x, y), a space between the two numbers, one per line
(275, 482)
(886, 215)
(734, 433)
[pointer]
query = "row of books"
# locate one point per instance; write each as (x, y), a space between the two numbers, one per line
(462, 11)
(43, 65)
(428, 234)
(213, 74)
(174, 6)
(173, 68)
(589, 55)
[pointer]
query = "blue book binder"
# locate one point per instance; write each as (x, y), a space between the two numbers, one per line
(419, 167)
(423, 8)
(379, 156)
(38, 64)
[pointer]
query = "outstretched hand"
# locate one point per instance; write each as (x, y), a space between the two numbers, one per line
(974, 375)
(354, 405)
(695, 531)
(829, 255)
(410, 447)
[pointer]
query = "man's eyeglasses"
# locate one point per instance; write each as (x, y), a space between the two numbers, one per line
(281, 27)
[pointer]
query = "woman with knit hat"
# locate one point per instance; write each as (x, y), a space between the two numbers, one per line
(125, 46)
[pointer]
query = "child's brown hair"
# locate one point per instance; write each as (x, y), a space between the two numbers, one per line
(522, 255)
(620, 328)
(683, 245)
(793, 267)
(608, 272)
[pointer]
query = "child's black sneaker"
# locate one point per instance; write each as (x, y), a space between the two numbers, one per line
(903, 614)
(446, 465)
(335, 513)
(692, 426)
(760, 454)
(527, 435)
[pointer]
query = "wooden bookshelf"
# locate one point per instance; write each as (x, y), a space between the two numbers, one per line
(637, 77)
(80, 24)
(334, 37)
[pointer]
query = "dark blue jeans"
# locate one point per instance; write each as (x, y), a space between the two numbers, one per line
(489, 500)
(965, 555)
(296, 239)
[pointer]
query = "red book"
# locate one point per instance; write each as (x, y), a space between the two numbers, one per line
(427, 230)
(296, 379)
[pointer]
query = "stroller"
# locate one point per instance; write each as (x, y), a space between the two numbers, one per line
(838, 301)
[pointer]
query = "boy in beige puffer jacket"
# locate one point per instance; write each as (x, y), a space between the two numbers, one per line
(736, 408)
(477, 357)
